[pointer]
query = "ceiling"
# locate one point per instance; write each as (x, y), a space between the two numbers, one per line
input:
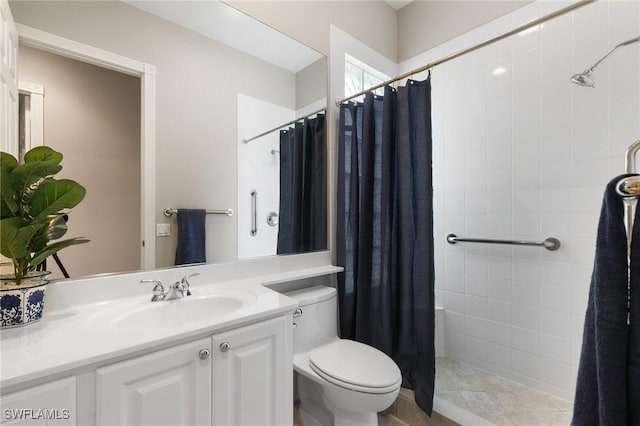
(220, 22)
(398, 4)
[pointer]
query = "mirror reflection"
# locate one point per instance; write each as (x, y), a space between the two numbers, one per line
(226, 85)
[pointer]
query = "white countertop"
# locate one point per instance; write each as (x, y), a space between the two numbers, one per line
(87, 335)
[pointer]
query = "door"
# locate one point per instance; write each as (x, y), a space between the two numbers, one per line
(8, 81)
(253, 374)
(170, 387)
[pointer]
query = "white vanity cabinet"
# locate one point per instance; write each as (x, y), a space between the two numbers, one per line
(243, 376)
(168, 387)
(52, 403)
(253, 374)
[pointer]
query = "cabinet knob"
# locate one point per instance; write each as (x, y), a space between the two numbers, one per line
(297, 313)
(204, 353)
(225, 346)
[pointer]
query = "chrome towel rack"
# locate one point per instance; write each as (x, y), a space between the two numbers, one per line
(551, 244)
(629, 189)
(168, 212)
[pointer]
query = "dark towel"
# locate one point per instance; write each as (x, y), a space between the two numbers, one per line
(633, 361)
(601, 390)
(191, 236)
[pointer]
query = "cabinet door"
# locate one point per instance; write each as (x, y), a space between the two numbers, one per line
(52, 403)
(168, 387)
(253, 375)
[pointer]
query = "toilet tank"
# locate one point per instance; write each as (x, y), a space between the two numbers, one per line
(318, 322)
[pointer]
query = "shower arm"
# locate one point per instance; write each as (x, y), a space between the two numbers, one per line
(624, 43)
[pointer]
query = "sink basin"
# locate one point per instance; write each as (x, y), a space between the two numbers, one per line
(188, 310)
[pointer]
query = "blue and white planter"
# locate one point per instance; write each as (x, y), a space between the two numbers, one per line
(25, 304)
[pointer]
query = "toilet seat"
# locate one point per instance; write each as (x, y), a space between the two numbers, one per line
(356, 366)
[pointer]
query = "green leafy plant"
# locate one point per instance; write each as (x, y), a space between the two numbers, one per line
(32, 205)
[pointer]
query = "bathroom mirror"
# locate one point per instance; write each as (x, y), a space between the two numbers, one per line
(221, 78)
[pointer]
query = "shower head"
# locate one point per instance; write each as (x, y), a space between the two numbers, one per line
(586, 78)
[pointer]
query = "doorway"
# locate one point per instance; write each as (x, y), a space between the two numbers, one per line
(92, 116)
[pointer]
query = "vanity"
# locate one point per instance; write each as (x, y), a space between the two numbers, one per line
(221, 356)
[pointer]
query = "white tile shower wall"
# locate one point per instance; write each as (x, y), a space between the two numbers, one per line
(258, 169)
(521, 153)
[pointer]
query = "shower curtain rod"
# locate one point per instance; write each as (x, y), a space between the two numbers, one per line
(455, 55)
(283, 125)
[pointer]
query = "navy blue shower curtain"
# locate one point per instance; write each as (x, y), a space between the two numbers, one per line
(303, 187)
(384, 234)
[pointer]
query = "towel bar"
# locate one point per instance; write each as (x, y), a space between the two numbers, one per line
(168, 212)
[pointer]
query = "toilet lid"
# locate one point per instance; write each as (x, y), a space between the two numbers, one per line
(355, 365)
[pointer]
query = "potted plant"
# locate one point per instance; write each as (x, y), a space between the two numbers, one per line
(32, 208)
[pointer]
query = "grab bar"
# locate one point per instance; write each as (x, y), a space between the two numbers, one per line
(168, 212)
(254, 212)
(550, 243)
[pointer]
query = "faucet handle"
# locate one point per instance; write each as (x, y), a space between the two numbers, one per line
(185, 281)
(158, 290)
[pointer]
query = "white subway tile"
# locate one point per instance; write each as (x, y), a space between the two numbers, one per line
(475, 349)
(454, 281)
(526, 293)
(499, 333)
(556, 273)
(454, 302)
(526, 317)
(555, 348)
(476, 265)
(526, 201)
(526, 224)
(500, 267)
(526, 340)
(476, 224)
(555, 323)
(454, 342)
(454, 261)
(554, 200)
(454, 322)
(499, 225)
(475, 327)
(499, 355)
(476, 306)
(499, 311)
(525, 363)
(476, 285)
(500, 289)
(555, 225)
(556, 298)
(475, 202)
(499, 202)
(556, 373)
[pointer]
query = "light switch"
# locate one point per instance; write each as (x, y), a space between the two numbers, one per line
(163, 229)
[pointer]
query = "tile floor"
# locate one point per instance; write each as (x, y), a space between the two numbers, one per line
(496, 399)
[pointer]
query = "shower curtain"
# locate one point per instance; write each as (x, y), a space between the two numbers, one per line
(384, 235)
(303, 187)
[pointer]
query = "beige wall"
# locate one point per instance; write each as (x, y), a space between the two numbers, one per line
(311, 83)
(423, 25)
(372, 22)
(198, 81)
(92, 116)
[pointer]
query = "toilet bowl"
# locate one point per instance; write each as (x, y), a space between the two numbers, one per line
(339, 382)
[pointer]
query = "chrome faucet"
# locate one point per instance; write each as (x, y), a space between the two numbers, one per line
(178, 290)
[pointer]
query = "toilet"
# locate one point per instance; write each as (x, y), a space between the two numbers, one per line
(339, 382)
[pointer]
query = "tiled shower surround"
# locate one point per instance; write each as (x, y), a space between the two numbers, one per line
(521, 153)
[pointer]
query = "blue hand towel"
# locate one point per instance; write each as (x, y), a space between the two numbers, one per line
(191, 236)
(601, 391)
